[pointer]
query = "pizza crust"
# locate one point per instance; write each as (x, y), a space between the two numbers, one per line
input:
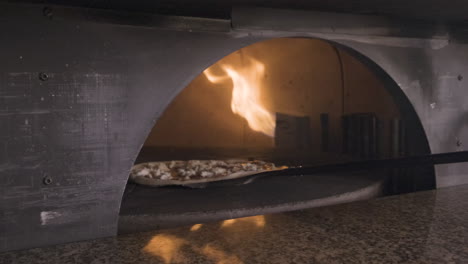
(167, 173)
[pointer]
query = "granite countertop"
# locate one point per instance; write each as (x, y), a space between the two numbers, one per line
(425, 227)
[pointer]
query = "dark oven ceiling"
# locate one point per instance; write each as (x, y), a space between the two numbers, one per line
(426, 9)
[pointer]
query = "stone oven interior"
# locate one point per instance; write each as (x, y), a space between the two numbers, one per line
(329, 108)
(310, 81)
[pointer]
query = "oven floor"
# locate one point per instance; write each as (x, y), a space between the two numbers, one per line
(148, 208)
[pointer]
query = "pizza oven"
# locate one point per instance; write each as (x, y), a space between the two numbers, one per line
(89, 91)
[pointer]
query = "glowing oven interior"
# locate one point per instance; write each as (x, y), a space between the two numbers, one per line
(282, 99)
(291, 101)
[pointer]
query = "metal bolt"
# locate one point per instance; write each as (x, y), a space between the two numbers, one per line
(47, 12)
(47, 180)
(43, 76)
(460, 77)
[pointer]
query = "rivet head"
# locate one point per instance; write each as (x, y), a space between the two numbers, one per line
(47, 180)
(43, 76)
(47, 12)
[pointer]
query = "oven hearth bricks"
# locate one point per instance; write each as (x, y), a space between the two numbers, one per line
(361, 136)
(292, 132)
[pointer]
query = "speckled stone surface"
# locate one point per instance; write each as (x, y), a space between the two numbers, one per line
(426, 227)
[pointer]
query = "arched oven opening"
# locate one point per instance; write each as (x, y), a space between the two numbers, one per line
(288, 101)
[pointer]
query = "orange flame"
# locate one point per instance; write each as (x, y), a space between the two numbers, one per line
(246, 90)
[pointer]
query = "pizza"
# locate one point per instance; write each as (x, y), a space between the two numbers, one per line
(178, 172)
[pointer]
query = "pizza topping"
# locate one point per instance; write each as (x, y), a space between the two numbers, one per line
(166, 176)
(172, 164)
(189, 173)
(219, 171)
(206, 174)
(163, 167)
(193, 163)
(143, 172)
(198, 169)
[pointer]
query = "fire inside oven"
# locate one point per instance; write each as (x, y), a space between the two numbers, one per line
(287, 101)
